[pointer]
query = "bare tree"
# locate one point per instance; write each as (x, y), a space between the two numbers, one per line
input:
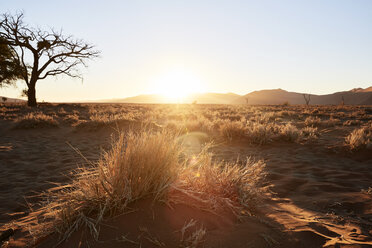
(307, 99)
(43, 53)
(342, 101)
(246, 100)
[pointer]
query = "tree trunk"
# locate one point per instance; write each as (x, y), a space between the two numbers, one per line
(31, 95)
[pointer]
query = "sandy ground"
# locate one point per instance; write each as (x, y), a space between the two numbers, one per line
(318, 189)
(32, 159)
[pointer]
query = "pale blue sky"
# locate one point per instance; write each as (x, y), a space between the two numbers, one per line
(231, 46)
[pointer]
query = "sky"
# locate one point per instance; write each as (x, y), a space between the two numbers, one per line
(316, 47)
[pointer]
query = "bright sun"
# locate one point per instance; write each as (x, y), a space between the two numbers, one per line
(177, 84)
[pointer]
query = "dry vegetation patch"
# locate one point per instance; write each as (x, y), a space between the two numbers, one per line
(35, 120)
(360, 138)
(146, 165)
(153, 165)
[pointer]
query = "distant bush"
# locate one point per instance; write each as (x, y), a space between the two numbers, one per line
(98, 121)
(290, 132)
(286, 113)
(360, 138)
(71, 118)
(313, 121)
(35, 120)
(331, 122)
(232, 130)
(259, 133)
(310, 133)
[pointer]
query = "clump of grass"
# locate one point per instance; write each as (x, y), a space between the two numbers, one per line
(232, 129)
(193, 125)
(71, 118)
(360, 138)
(258, 133)
(35, 120)
(195, 234)
(220, 186)
(146, 165)
(290, 132)
(136, 166)
(313, 121)
(98, 121)
(310, 133)
(331, 122)
(286, 113)
(201, 124)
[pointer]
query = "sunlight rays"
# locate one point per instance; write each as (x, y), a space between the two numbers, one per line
(176, 84)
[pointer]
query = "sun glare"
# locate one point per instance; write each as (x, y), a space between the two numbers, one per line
(177, 84)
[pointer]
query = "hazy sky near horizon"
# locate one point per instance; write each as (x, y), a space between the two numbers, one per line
(315, 46)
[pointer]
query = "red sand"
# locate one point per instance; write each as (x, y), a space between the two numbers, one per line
(318, 198)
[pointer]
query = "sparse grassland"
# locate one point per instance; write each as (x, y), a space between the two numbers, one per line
(253, 124)
(222, 160)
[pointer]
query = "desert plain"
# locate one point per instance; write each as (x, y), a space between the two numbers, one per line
(309, 166)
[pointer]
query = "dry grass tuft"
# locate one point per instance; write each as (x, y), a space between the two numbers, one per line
(232, 130)
(194, 238)
(146, 165)
(290, 132)
(310, 133)
(313, 121)
(260, 134)
(360, 138)
(220, 186)
(35, 120)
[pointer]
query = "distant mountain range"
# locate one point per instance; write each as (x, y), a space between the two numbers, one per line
(203, 98)
(357, 96)
(277, 96)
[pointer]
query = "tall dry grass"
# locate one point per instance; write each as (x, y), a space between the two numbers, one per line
(35, 120)
(145, 165)
(360, 138)
(232, 130)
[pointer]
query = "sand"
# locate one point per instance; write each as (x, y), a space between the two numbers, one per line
(319, 192)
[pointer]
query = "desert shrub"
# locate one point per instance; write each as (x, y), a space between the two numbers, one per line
(265, 117)
(232, 129)
(331, 122)
(71, 119)
(35, 120)
(201, 124)
(258, 133)
(360, 138)
(310, 133)
(313, 121)
(146, 165)
(98, 121)
(289, 132)
(286, 113)
(194, 125)
(61, 112)
(221, 186)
